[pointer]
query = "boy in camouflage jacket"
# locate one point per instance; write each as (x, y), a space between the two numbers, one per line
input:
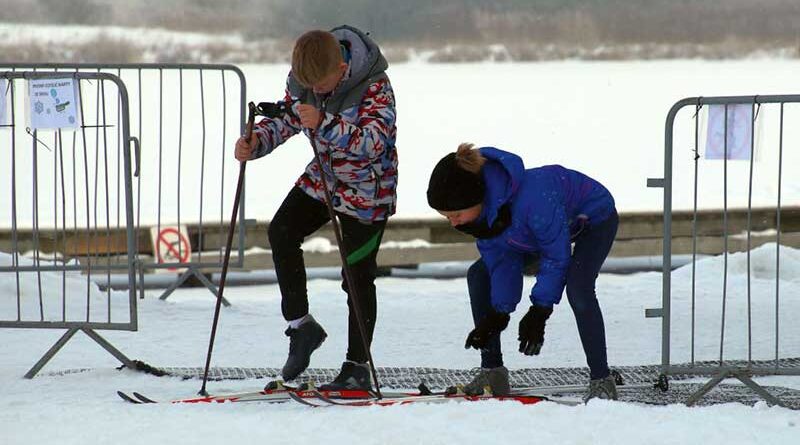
(338, 93)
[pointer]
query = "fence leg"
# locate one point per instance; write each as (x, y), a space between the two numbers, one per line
(51, 352)
(110, 348)
(181, 279)
(758, 389)
(185, 276)
(66, 337)
(707, 387)
(214, 289)
(744, 377)
(141, 282)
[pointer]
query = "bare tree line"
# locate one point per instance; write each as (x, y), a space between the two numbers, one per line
(529, 29)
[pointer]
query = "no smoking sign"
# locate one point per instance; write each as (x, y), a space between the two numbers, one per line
(171, 245)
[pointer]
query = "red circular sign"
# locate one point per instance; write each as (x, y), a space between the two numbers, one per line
(172, 246)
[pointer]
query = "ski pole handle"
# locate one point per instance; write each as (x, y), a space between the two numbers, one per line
(251, 120)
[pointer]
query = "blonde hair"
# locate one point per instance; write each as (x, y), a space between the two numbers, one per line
(316, 55)
(469, 158)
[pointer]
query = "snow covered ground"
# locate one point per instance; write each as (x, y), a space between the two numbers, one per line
(421, 323)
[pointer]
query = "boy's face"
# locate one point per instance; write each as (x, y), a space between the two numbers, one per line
(329, 82)
(458, 217)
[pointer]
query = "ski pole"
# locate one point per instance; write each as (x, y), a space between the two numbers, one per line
(352, 294)
(251, 117)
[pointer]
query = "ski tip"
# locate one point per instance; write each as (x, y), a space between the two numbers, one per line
(143, 398)
(127, 398)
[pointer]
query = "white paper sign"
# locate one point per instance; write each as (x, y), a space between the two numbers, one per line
(740, 132)
(53, 104)
(4, 118)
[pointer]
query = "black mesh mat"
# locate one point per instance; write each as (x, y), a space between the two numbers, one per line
(638, 381)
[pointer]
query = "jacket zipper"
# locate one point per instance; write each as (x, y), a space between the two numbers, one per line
(518, 244)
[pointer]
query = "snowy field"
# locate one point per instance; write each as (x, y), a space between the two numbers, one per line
(421, 323)
(601, 118)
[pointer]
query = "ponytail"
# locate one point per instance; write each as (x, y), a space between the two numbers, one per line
(469, 158)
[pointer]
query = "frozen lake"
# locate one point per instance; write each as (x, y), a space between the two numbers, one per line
(603, 118)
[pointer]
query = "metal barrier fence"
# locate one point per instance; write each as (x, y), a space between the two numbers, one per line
(68, 186)
(187, 124)
(708, 310)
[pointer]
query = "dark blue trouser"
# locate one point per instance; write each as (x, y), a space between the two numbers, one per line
(590, 251)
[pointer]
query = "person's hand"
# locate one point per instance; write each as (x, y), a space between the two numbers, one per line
(309, 116)
(244, 149)
(491, 325)
(531, 329)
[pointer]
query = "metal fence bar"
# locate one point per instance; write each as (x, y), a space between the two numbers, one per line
(160, 142)
(694, 224)
(139, 180)
(49, 316)
(202, 165)
(88, 210)
(180, 152)
(108, 200)
(222, 163)
(50, 268)
(724, 237)
(666, 259)
(778, 241)
(14, 231)
(93, 234)
(119, 147)
(60, 168)
(754, 115)
(200, 261)
(35, 206)
(722, 369)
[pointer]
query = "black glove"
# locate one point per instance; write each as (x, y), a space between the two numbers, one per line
(491, 325)
(531, 329)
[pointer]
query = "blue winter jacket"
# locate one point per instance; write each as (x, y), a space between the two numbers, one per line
(546, 203)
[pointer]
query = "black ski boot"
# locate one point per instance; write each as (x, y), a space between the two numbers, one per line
(302, 342)
(353, 376)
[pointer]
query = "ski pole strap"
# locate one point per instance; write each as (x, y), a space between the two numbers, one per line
(365, 249)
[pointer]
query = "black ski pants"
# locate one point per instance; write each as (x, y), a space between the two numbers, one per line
(298, 217)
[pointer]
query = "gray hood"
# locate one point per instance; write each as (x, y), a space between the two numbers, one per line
(366, 59)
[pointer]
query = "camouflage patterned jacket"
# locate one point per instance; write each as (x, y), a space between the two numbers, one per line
(356, 139)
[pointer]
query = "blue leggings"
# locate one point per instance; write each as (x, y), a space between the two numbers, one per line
(591, 249)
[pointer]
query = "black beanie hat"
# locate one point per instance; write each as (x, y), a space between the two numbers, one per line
(453, 188)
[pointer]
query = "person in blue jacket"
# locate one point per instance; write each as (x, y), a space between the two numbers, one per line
(520, 216)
